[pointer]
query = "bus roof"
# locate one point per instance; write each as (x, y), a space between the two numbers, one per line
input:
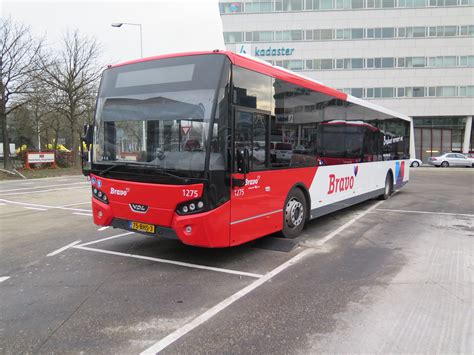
(266, 68)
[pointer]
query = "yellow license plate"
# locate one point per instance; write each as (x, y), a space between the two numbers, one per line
(142, 227)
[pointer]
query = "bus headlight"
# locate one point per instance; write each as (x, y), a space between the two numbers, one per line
(190, 207)
(102, 197)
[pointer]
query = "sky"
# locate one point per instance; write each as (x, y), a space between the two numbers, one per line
(168, 26)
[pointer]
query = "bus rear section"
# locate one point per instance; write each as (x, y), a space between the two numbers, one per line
(216, 149)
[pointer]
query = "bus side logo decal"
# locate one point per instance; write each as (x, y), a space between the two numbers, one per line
(341, 184)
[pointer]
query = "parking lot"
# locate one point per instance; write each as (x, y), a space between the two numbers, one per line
(391, 276)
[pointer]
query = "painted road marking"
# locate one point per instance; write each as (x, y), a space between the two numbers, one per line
(425, 212)
(77, 204)
(36, 208)
(104, 239)
(179, 263)
(82, 214)
(43, 187)
(40, 191)
(4, 278)
(103, 228)
(44, 206)
(177, 334)
(64, 248)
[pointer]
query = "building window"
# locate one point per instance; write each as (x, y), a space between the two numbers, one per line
(230, 8)
(357, 4)
(419, 31)
(263, 36)
(450, 30)
(326, 64)
(232, 37)
(418, 92)
(357, 92)
(327, 34)
(258, 6)
(387, 92)
(388, 62)
(325, 4)
(292, 5)
(357, 63)
(357, 33)
(388, 32)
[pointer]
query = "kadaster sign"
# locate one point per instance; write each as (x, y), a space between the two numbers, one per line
(265, 52)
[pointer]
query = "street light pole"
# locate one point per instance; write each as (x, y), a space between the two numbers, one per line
(120, 24)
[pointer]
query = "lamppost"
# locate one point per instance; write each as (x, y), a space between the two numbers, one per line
(120, 24)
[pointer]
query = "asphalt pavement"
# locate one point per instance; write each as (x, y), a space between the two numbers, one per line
(380, 277)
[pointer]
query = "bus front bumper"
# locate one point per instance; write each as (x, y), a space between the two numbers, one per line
(209, 229)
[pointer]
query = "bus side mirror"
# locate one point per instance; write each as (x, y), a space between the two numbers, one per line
(86, 142)
(243, 161)
(88, 135)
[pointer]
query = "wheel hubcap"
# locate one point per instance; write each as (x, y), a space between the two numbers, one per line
(294, 213)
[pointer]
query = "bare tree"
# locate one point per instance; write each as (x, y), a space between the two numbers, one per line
(72, 77)
(19, 56)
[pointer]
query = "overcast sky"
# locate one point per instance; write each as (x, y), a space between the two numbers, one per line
(168, 25)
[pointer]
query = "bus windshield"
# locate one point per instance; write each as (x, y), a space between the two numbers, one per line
(158, 113)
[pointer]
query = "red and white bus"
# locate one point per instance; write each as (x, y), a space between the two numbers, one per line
(216, 149)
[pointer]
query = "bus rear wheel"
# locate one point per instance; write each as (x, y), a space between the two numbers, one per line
(388, 189)
(294, 214)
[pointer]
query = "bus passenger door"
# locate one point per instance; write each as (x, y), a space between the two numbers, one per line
(252, 210)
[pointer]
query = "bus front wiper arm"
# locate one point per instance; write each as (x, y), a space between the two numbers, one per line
(101, 173)
(183, 179)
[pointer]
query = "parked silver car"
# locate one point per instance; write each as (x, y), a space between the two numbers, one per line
(450, 159)
(415, 163)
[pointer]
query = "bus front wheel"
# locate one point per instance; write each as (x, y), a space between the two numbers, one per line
(294, 214)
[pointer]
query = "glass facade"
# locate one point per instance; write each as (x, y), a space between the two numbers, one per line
(255, 6)
(436, 135)
(376, 63)
(409, 92)
(331, 34)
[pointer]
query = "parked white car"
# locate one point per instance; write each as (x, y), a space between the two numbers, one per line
(450, 159)
(415, 163)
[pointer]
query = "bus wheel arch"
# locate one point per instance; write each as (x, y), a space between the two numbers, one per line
(296, 211)
(388, 185)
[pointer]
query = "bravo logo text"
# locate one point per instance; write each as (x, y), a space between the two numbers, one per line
(339, 184)
(119, 192)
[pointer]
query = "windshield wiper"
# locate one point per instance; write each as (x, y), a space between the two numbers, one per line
(101, 173)
(186, 180)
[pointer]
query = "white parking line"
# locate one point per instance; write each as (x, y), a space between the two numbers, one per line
(64, 248)
(44, 206)
(425, 212)
(40, 191)
(104, 239)
(4, 278)
(103, 228)
(77, 204)
(36, 208)
(44, 187)
(83, 214)
(171, 338)
(179, 263)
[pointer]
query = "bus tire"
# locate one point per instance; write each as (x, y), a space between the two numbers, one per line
(388, 188)
(294, 214)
